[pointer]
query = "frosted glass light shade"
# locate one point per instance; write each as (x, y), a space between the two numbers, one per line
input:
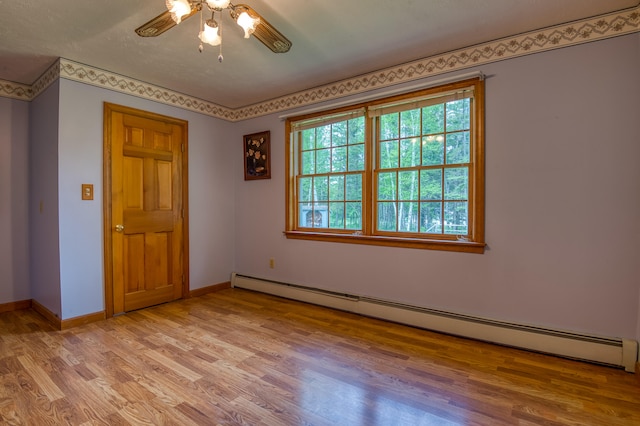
(247, 23)
(218, 4)
(210, 35)
(178, 9)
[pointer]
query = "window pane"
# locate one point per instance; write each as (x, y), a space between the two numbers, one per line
(387, 216)
(339, 159)
(456, 184)
(455, 218)
(308, 166)
(323, 158)
(302, 214)
(408, 185)
(354, 216)
(389, 153)
(356, 157)
(408, 217)
(318, 218)
(339, 134)
(458, 115)
(387, 184)
(308, 139)
(305, 190)
(431, 184)
(336, 188)
(336, 215)
(354, 187)
(410, 123)
(389, 126)
(431, 218)
(323, 136)
(433, 150)
(433, 119)
(458, 148)
(356, 130)
(409, 152)
(320, 188)
(313, 215)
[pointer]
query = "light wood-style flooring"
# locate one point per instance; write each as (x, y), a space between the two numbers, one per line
(239, 357)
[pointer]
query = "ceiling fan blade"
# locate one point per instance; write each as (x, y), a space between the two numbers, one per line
(160, 24)
(266, 33)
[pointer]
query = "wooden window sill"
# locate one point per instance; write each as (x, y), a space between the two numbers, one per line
(376, 240)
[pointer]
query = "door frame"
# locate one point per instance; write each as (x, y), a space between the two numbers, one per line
(107, 202)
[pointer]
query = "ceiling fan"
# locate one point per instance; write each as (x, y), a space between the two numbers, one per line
(245, 16)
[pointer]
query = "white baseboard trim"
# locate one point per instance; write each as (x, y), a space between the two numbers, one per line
(603, 350)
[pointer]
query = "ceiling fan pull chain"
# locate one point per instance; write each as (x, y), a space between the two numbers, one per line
(220, 57)
(201, 46)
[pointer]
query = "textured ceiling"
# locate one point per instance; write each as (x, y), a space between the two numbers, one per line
(332, 40)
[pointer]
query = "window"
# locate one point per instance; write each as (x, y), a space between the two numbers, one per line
(404, 171)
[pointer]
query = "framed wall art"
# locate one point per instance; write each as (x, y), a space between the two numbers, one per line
(257, 156)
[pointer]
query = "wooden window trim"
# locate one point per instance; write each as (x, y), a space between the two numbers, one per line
(476, 242)
(378, 240)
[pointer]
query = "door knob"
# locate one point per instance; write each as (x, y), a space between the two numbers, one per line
(119, 228)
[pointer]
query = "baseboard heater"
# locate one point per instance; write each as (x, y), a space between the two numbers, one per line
(603, 350)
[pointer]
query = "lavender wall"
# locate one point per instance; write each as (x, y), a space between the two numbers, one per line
(562, 205)
(44, 253)
(637, 117)
(563, 198)
(14, 200)
(81, 240)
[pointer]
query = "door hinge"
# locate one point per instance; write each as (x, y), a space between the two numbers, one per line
(182, 147)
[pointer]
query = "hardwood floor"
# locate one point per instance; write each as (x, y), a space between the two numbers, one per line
(238, 357)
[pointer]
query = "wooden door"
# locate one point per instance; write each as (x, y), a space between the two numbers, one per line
(145, 193)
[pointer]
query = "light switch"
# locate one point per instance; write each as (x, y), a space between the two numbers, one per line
(87, 191)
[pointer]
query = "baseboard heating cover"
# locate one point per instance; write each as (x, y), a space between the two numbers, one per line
(603, 350)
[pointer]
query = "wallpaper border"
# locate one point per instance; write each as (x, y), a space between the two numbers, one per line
(569, 34)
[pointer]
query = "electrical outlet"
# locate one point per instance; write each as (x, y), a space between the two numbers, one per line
(272, 263)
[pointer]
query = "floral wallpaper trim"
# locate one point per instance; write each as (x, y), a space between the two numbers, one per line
(108, 80)
(9, 89)
(27, 92)
(570, 34)
(599, 28)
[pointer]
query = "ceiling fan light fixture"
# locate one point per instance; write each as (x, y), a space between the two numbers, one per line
(178, 9)
(244, 15)
(210, 33)
(248, 23)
